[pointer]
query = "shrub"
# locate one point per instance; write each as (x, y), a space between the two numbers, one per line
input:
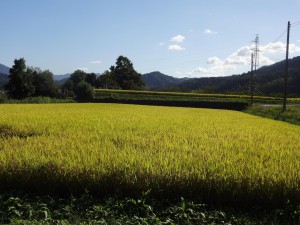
(84, 91)
(3, 97)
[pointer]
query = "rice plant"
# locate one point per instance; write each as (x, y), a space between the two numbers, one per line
(216, 156)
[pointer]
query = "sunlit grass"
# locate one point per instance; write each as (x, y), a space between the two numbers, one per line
(212, 155)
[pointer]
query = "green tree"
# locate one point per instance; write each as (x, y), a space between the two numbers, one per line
(125, 75)
(44, 83)
(91, 79)
(105, 81)
(77, 77)
(68, 88)
(84, 91)
(20, 84)
(71, 83)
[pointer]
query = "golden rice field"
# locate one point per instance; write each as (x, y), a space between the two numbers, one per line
(217, 156)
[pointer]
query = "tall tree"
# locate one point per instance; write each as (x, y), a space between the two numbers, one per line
(68, 88)
(77, 77)
(105, 81)
(44, 83)
(20, 84)
(91, 79)
(81, 85)
(125, 75)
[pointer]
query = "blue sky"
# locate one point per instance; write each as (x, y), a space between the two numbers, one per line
(192, 38)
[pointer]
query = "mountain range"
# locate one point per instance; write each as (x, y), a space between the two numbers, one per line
(4, 71)
(157, 80)
(268, 81)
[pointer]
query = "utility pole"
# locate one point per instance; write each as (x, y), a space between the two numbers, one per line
(286, 67)
(252, 81)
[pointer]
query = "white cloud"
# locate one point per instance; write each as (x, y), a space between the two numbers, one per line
(204, 71)
(236, 61)
(215, 70)
(279, 47)
(161, 44)
(95, 62)
(264, 60)
(82, 69)
(209, 31)
(184, 74)
(294, 48)
(179, 38)
(240, 57)
(176, 48)
(214, 61)
(273, 47)
(239, 61)
(243, 51)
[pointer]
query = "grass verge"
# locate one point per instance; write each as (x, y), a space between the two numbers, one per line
(291, 115)
(38, 100)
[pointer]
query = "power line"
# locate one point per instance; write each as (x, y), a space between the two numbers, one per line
(280, 36)
(293, 24)
(296, 23)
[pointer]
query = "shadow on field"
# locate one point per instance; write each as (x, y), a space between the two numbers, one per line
(239, 106)
(43, 180)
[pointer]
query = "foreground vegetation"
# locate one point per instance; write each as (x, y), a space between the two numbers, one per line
(26, 209)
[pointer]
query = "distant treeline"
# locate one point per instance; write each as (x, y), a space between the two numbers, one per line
(27, 82)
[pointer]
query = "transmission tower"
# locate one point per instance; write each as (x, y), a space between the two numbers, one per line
(251, 81)
(254, 66)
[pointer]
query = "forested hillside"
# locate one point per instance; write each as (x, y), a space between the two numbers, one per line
(158, 80)
(269, 81)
